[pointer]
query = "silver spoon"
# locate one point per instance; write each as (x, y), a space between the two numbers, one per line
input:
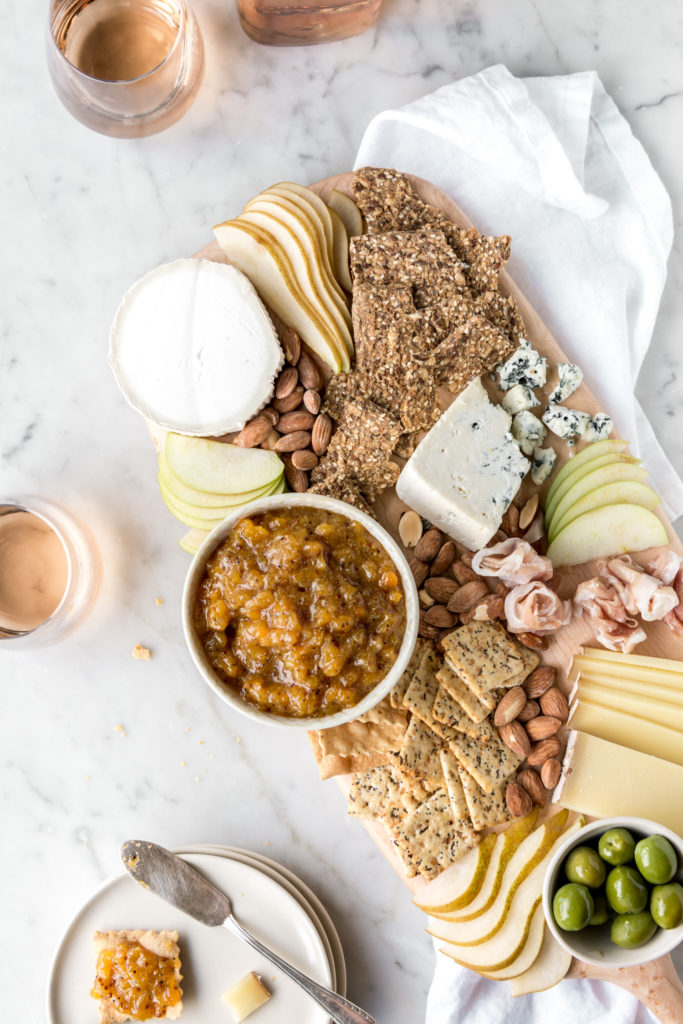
(175, 881)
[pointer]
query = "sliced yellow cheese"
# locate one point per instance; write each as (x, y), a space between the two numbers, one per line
(640, 661)
(628, 730)
(609, 685)
(604, 779)
(649, 708)
(246, 996)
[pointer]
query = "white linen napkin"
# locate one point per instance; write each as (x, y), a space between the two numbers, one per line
(551, 162)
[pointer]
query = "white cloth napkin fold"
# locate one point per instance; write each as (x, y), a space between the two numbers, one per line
(551, 162)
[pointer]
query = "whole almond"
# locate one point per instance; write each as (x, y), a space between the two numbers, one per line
(286, 382)
(292, 442)
(518, 800)
(304, 459)
(426, 629)
(410, 528)
(253, 433)
(300, 419)
(500, 589)
(550, 772)
(529, 711)
(270, 442)
(509, 706)
(467, 596)
(309, 374)
(271, 414)
(540, 752)
(419, 571)
(428, 545)
(554, 703)
(466, 617)
(541, 727)
(292, 401)
(441, 588)
(444, 559)
(466, 558)
(528, 512)
(425, 600)
(532, 641)
(514, 736)
(312, 401)
(489, 608)
(463, 573)
(510, 521)
(540, 680)
(440, 616)
(291, 344)
(296, 478)
(531, 782)
(321, 433)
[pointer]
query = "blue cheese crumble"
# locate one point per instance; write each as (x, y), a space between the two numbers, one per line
(528, 431)
(519, 398)
(542, 464)
(565, 423)
(598, 428)
(570, 378)
(525, 366)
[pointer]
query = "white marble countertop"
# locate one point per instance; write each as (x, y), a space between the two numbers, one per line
(82, 217)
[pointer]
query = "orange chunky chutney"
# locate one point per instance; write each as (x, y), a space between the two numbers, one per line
(137, 981)
(300, 611)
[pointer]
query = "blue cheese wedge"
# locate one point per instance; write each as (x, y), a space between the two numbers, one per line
(598, 428)
(570, 378)
(525, 366)
(565, 423)
(528, 431)
(464, 474)
(542, 464)
(518, 399)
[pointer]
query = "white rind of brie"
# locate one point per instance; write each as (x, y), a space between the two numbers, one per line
(193, 348)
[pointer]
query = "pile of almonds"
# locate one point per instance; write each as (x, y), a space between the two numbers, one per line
(449, 589)
(292, 425)
(529, 718)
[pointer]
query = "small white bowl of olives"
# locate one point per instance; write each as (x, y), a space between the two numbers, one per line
(613, 892)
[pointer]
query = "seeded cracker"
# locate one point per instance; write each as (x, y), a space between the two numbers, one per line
(397, 694)
(490, 763)
(381, 792)
(430, 839)
(419, 753)
(476, 707)
(335, 485)
(451, 716)
(451, 773)
(485, 809)
(421, 695)
(483, 654)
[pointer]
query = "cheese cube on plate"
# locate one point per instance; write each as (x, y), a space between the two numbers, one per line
(518, 399)
(543, 464)
(525, 366)
(565, 422)
(598, 428)
(528, 431)
(464, 474)
(570, 378)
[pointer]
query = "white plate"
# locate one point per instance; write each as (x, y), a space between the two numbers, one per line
(213, 960)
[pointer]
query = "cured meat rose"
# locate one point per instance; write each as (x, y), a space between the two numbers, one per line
(668, 567)
(640, 593)
(604, 609)
(513, 561)
(535, 608)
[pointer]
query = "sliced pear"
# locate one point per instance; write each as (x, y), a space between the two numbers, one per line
(611, 446)
(307, 195)
(609, 530)
(203, 499)
(271, 274)
(632, 492)
(212, 511)
(550, 966)
(529, 952)
(220, 468)
(197, 520)
(341, 252)
(348, 211)
(193, 540)
(522, 883)
(460, 883)
(605, 462)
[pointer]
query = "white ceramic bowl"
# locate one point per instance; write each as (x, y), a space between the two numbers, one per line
(218, 535)
(593, 945)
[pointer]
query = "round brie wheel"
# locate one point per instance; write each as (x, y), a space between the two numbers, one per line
(193, 348)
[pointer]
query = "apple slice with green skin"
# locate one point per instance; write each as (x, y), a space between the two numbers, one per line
(304, 259)
(632, 492)
(193, 540)
(606, 531)
(271, 274)
(460, 883)
(588, 469)
(341, 252)
(219, 468)
(180, 492)
(202, 518)
(348, 211)
(619, 471)
(522, 883)
(550, 967)
(212, 511)
(444, 897)
(612, 446)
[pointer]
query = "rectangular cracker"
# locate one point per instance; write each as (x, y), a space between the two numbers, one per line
(430, 839)
(483, 654)
(419, 753)
(380, 792)
(477, 708)
(456, 794)
(398, 693)
(488, 763)
(163, 943)
(485, 809)
(448, 712)
(422, 694)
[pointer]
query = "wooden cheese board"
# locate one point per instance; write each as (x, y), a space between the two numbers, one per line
(656, 984)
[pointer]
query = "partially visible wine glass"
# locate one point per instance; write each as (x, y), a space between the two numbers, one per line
(127, 68)
(303, 22)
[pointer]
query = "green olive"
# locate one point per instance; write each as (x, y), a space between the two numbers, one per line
(572, 907)
(632, 930)
(666, 904)
(656, 859)
(626, 891)
(616, 846)
(584, 866)
(601, 913)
